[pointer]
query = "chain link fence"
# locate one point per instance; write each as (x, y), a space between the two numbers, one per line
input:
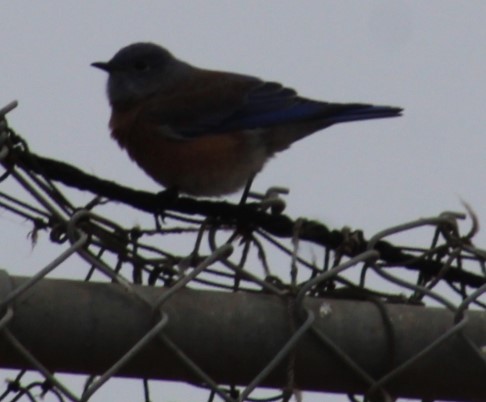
(225, 297)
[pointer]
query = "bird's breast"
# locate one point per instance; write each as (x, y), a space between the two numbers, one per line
(205, 165)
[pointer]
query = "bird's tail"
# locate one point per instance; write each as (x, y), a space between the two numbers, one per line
(342, 113)
(321, 115)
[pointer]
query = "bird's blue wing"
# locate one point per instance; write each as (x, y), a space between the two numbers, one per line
(224, 102)
(271, 104)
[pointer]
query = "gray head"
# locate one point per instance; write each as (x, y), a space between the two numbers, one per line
(139, 70)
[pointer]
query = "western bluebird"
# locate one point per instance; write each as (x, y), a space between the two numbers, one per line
(207, 132)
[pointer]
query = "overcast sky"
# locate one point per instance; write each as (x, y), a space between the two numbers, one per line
(425, 56)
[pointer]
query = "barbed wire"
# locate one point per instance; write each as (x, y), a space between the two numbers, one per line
(232, 248)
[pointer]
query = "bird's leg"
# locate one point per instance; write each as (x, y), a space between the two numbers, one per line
(246, 191)
(164, 199)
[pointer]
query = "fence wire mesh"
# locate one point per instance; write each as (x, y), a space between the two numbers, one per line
(251, 248)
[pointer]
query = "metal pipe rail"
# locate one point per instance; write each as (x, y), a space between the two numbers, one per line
(79, 327)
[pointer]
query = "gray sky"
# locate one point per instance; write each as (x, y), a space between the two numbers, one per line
(426, 56)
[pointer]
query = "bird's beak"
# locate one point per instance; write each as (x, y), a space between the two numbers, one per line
(102, 66)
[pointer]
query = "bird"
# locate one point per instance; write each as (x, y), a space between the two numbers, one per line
(204, 132)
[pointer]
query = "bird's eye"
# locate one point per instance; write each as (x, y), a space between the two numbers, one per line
(141, 65)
